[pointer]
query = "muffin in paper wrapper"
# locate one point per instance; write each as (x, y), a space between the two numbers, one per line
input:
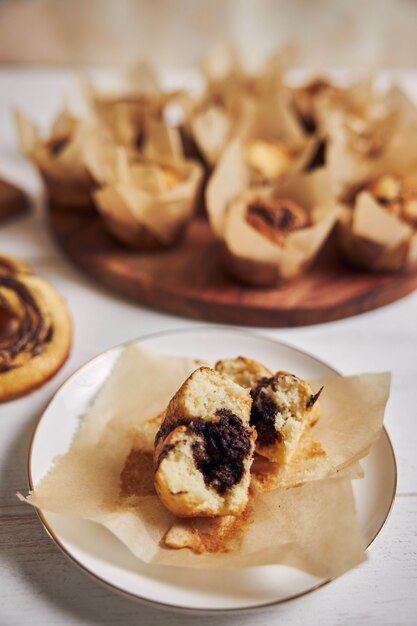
(317, 100)
(106, 476)
(123, 110)
(357, 122)
(271, 144)
(249, 255)
(231, 98)
(370, 235)
(146, 200)
(61, 156)
(352, 150)
(356, 144)
(275, 145)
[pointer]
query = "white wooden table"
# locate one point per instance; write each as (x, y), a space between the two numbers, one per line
(38, 585)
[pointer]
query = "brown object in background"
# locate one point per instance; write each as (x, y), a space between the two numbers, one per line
(12, 200)
(35, 330)
(188, 280)
(276, 218)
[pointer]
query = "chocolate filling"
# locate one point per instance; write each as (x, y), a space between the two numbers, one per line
(263, 413)
(168, 427)
(220, 451)
(7, 265)
(9, 322)
(29, 334)
(279, 218)
(6, 368)
(275, 219)
(264, 410)
(166, 449)
(220, 455)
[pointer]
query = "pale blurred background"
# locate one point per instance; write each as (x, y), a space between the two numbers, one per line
(333, 33)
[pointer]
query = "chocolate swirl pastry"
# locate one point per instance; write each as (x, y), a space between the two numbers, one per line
(276, 219)
(35, 330)
(204, 448)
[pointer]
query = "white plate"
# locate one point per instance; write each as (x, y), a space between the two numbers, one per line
(101, 555)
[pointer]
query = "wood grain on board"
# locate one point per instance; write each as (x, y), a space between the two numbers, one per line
(189, 280)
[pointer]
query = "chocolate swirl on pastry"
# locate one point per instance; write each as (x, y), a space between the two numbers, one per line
(219, 450)
(20, 337)
(35, 330)
(275, 219)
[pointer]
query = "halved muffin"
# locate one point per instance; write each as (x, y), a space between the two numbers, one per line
(283, 406)
(204, 448)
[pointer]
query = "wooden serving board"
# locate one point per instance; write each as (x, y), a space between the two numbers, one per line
(189, 280)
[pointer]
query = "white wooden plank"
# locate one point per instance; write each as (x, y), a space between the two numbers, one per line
(40, 586)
